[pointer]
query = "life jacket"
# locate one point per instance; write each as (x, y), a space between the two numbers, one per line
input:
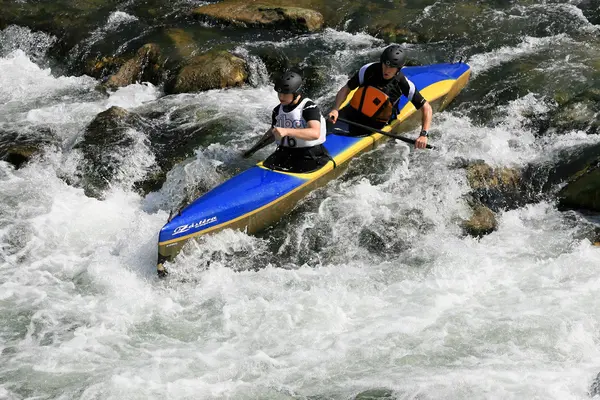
(372, 103)
(293, 119)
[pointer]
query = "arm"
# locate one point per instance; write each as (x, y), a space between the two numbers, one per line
(426, 113)
(409, 90)
(341, 96)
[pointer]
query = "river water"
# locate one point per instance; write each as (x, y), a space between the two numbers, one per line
(368, 284)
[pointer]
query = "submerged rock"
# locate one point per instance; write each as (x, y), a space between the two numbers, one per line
(215, 69)
(262, 15)
(376, 394)
(595, 387)
(183, 42)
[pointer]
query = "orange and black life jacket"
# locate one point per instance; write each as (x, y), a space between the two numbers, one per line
(372, 103)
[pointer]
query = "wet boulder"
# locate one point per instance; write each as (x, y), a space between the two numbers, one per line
(581, 112)
(110, 145)
(252, 14)
(17, 148)
(572, 175)
(102, 67)
(583, 192)
(565, 166)
(145, 66)
(595, 387)
(376, 394)
(498, 188)
(493, 189)
(481, 223)
(183, 42)
(590, 10)
(215, 69)
(393, 33)
(275, 59)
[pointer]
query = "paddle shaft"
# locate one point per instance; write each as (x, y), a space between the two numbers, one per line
(264, 141)
(407, 140)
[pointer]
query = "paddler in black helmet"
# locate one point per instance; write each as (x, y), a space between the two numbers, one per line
(298, 128)
(380, 85)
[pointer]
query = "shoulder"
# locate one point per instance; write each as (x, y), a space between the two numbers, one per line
(370, 68)
(403, 80)
(374, 66)
(276, 109)
(310, 111)
(309, 104)
(400, 77)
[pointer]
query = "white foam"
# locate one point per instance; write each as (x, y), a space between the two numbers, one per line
(118, 18)
(21, 80)
(530, 45)
(34, 44)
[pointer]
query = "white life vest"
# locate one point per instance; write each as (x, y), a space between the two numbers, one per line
(294, 120)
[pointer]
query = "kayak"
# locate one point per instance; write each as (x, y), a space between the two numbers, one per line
(259, 197)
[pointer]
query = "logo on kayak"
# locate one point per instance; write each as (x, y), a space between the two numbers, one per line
(187, 227)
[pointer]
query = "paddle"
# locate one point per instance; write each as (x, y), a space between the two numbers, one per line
(264, 141)
(407, 140)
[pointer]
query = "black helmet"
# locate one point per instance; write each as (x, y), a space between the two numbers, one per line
(393, 56)
(289, 82)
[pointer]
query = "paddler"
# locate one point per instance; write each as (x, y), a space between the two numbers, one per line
(298, 128)
(380, 85)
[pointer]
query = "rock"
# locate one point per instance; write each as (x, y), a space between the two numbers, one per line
(581, 112)
(105, 146)
(17, 148)
(376, 394)
(315, 80)
(394, 33)
(567, 165)
(275, 59)
(215, 69)
(497, 188)
(583, 192)
(184, 43)
(482, 222)
(595, 387)
(103, 67)
(261, 15)
(590, 10)
(145, 66)
(18, 155)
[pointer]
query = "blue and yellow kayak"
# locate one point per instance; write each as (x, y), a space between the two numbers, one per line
(259, 197)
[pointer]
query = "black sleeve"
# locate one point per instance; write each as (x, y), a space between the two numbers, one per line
(274, 115)
(410, 91)
(353, 82)
(311, 112)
